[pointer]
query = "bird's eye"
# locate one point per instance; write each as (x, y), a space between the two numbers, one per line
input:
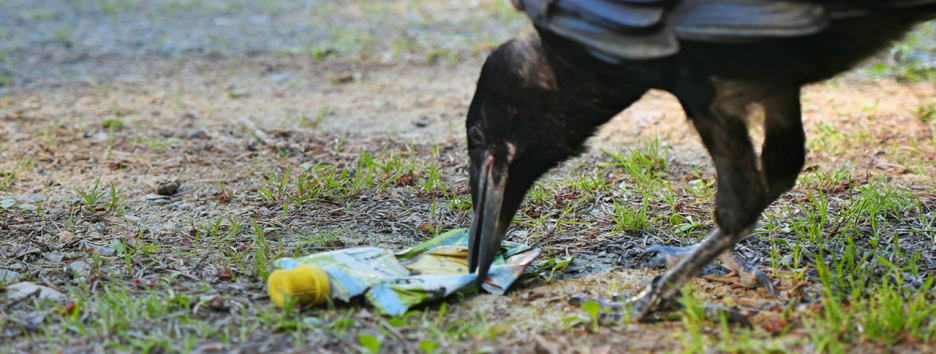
(475, 135)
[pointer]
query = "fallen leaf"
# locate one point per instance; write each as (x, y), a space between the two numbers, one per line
(69, 309)
(406, 180)
(774, 326)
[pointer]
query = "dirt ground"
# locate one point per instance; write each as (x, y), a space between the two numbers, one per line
(126, 94)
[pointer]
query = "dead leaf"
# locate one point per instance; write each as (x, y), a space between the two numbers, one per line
(775, 326)
(69, 309)
(406, 180)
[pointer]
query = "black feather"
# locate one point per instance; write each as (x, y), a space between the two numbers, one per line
(613, 15)
(734, 20)
(649, 29)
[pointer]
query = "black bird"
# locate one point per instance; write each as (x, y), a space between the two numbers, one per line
(542, 95)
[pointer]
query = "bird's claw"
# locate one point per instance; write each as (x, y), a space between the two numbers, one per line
(750, 276)
(755, 277)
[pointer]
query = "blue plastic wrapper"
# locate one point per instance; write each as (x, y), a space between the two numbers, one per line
(431, 270)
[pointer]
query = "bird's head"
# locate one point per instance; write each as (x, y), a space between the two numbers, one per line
(517, 130)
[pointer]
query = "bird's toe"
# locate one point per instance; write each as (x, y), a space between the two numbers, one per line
(761, 278)
(613, 304)
(749, 275)
(636, 307)
(612, 310)
(648, 302)
(666, 256)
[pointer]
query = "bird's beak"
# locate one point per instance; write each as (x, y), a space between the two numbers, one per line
(487, 228)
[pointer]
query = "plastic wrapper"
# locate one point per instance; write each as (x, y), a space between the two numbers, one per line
(431, 270)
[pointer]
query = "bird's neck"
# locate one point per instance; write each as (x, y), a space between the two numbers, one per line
(590, 96)
(567, 84)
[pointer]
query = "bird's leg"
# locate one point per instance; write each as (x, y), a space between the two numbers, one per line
(784, 150)
(741, 192)
(743, 189)
(782, 159)
(719, 110)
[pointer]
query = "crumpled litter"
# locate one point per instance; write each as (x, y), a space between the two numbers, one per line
(431, 270)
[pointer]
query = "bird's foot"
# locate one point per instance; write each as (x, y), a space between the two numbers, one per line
(751, 277)
(648, 302)
(633, 308)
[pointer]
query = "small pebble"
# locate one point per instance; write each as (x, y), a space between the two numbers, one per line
(65, 237)
(23, 289)
(98, 228)
(279, 77)
(7, 276)
(28, 198)
(175, 159)
(107, 251)
(422, 122)
(196, 134)
(81, 267)
(54, 256)
(166, 186)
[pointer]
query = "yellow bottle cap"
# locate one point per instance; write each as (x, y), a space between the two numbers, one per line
(307, 283)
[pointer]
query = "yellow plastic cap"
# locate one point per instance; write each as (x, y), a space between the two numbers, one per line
(306, 283)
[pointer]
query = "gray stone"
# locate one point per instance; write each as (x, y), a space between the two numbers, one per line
(82, 268)
(422, 122)
(279, 77)
(166, 186)
(28, 198)
(98, 228)
(7, 276)
(21, 290)
(54, 256)
(196, 134)
(65, 237)
(175, 159)
(107, 251)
